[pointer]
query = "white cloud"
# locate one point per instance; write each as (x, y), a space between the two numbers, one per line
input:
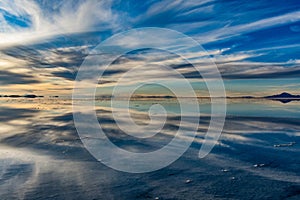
(232, 31)
(86, 16)
(293, 61)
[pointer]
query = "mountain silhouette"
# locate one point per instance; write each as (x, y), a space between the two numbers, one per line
(283, 95)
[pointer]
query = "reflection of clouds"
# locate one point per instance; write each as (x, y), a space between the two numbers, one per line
(254, 135)
(34, 151)
(41, 154)
(16, 174)
(28, 125)
(26, 174)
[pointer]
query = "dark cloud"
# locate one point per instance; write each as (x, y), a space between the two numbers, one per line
(50, 54)
(66, 74)
(7, 78)
(242, 72)
(112, 72)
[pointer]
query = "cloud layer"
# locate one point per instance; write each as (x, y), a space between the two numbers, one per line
(43, 43)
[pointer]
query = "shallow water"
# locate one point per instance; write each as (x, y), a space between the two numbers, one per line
(257, 156)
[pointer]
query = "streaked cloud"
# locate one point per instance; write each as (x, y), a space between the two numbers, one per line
(49, 20)
(43, 43)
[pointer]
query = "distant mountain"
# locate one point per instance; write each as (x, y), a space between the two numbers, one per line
(283, 95)
(154, 96)
(31, 96)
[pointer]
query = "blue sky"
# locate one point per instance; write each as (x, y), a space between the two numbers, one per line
(255, 44)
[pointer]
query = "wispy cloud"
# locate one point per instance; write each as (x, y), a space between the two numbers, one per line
(43, 43)
(66, 18)
(227, 32)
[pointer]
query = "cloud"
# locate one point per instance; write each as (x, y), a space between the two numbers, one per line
(229, 32)
(252, 71)
(69, 17)
(44, 42)
(8, 78)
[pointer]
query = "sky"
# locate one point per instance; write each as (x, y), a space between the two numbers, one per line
(255, 44)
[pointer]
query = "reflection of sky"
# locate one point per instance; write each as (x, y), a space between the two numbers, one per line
(42, 43)
(261, 108)
(42, 155)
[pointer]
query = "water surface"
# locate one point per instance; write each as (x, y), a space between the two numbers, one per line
(257, 156)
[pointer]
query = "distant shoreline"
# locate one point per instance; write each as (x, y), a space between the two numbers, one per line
(283, 97)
